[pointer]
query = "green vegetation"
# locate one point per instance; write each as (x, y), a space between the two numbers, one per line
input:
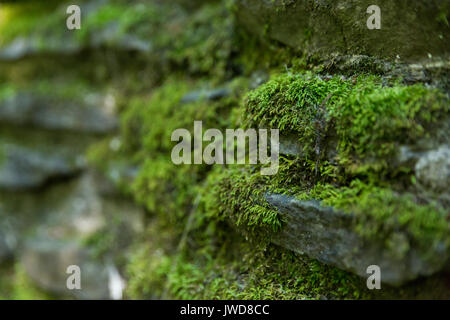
(249, 273)
(369, 118)
(301, 104)
(15, 285)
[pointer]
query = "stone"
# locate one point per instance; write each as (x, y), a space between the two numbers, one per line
(8, 239)
(24, 168)
(46, 262)
(207, 95)
(70, 214)
(61, 41)
(30, 109)
(408, 29)
(329, 236)
(257, 78)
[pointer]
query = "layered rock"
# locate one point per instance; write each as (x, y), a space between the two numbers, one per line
(331, 237)
(409, 30)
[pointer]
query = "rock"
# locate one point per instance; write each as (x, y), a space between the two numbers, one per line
(73, 210)
(61, 41)
(433, 169)
(17, 49)
(46, 262)
(208, 95)
(119, 177)
(329, 236)
(23, 167)
(257, 78)
(408, 29)
(29, 109)
(431, 162)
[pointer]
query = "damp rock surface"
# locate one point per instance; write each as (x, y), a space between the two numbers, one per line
(330, 236)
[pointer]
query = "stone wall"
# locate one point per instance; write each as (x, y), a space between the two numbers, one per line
(86, 176)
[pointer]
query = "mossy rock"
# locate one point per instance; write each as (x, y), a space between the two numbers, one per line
(411, 30)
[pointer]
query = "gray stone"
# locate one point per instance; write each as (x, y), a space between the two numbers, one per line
(330, 236)
(17, 49)
(8, 239)
(409, 29)
(62, 41)
(433, 169)
(29, 109)
(208, 95)
(22, 167)
(46, 262)
(257, 78)
(111, 36)
(68, 215)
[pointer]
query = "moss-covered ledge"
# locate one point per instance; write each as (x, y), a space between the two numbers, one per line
(347, 133)
(341, 239)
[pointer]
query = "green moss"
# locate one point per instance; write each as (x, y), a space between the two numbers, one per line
(368, 118)
(206, 44)
(72, 88)
(238, 271)
(165, 189)
(374, 119)
(237, 195)
(15, 285)
(7, 91)
(25, 19)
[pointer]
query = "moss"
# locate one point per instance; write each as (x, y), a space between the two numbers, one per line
(236, 271)
(15, 285)
(72, 88)
(25, 19)
(381, 212)
(206, 44)
(304, 105)
(197, 214)
(165, 189)
(239, 269)
(374, 119)
(124, 18)
(369, 119)
(294, 103)
(41, 20)
(234, 194)
(271, 274)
